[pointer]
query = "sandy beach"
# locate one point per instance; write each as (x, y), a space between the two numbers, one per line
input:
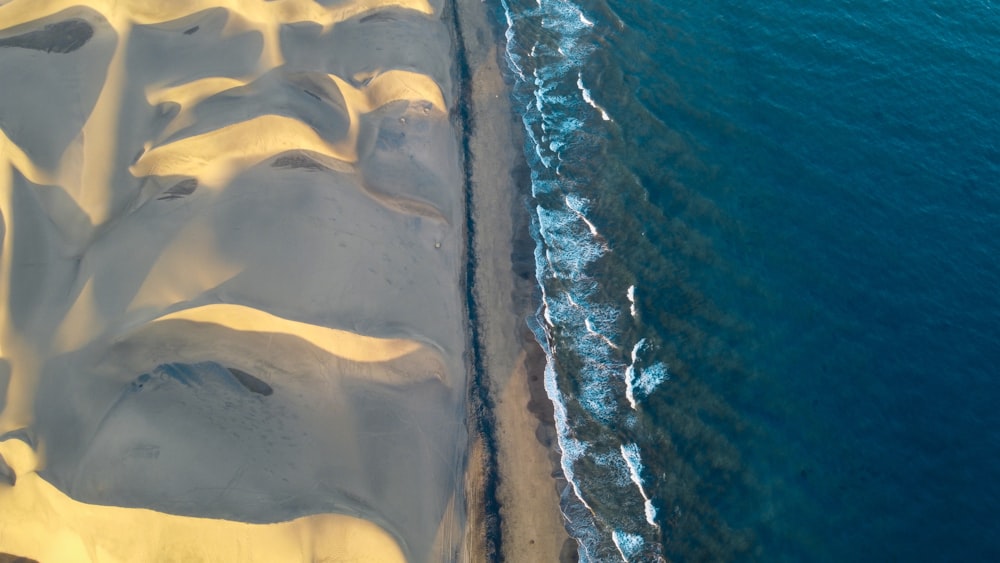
(530, 524)
(234, 277)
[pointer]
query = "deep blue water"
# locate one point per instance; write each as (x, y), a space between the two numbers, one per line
(804, 198)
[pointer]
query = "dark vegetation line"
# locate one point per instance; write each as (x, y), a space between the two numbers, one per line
(480, 402)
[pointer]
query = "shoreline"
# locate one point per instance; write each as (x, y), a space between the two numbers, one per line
(512, 495)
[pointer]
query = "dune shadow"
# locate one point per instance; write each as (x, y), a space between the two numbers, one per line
(61, 37)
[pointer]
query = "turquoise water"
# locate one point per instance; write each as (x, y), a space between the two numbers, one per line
(767, 238)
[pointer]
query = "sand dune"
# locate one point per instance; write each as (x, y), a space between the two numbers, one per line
(340, 343)
(264, 14)
(213, 150)
(232, 323)
(76, 531)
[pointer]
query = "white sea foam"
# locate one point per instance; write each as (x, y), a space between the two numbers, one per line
(638, 387)
(512, 59)
(630, 379)
(641, 382)
(651, 377)
(635, 349)
(571, 448)
(548, 317)
(580, 206)
(541, 157)
(650, 511)
(544, 160)
(575, 312)
(569, 248)
(630, 453)
(630, 386)
(631, 299)
(587, 97)
(573, 252)
(539, 92)
(618, 470)
(629, 545)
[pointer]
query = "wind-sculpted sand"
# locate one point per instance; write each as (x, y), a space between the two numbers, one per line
(232, 323)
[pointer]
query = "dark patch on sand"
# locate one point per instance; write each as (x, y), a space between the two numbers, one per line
(62, 37)
(250, 382)
(10, 558)
(180, 189)
(383, 16)
(7, 476)
(191, 30)
(143, 451)
(167, 110)
(570, 552)
(389, 140)
(4, 364)
(298, 160)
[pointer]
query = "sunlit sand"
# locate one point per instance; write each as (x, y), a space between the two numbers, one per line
(41, 521)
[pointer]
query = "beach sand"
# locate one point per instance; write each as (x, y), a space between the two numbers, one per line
(531, 526)
(233, 322)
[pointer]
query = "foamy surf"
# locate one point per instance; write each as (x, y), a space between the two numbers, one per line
(578, 324)
(641, 382)
(589, 98)
(630, 453)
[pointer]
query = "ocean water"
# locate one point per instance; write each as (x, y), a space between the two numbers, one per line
(767, 243)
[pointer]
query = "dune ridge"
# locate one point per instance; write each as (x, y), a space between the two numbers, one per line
(208, 156)
(90, 532)
(19, 12)
(342, 343)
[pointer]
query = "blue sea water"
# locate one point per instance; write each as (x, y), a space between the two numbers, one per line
(767, 238)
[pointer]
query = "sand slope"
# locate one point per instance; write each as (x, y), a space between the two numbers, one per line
(230, 273)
